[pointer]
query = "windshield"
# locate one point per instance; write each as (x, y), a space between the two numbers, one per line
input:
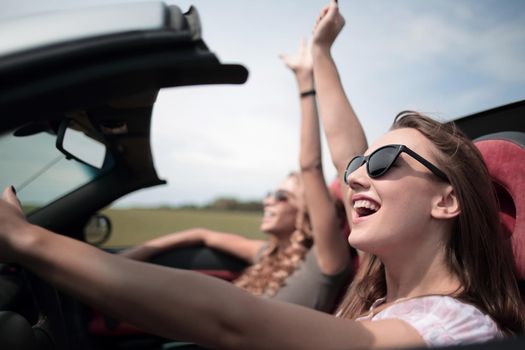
(39, 172)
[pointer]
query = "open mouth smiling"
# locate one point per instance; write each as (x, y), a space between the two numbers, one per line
(365, 207)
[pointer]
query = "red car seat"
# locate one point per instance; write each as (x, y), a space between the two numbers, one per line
(504, 154)
(337, 193)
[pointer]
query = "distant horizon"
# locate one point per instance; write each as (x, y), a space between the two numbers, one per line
(202, 205)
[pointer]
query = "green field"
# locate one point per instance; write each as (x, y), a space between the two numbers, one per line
(131, 226)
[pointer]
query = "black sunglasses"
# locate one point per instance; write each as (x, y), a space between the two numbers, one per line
(279, 195)
(382, 159)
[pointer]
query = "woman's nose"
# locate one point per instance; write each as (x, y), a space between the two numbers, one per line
(359, 178)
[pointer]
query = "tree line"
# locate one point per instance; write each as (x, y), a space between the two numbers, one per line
(227, 204)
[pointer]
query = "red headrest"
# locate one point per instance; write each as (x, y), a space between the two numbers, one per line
(337, 194)
(336, 190)
(505, 159)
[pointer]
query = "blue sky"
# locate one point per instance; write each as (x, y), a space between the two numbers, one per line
(446, 58)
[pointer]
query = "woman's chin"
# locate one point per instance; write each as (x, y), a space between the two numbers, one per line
(265, 228)
(359, 241)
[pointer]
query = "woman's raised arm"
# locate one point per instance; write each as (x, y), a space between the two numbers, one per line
(331, 250)
(343, 130)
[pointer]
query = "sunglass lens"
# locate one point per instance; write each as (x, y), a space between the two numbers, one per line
(354, 164)
(280, 196)
(381, 161)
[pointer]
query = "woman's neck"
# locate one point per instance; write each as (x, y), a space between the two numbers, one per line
(419, 274)
(283, 243)
(279, 241)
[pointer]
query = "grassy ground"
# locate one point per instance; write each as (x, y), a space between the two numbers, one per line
(131, 226)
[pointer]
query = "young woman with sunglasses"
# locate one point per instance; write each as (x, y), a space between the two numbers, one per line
(437, 270)
(300, 212)
(436, 273)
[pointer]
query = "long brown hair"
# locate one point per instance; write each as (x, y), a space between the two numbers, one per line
(267, 276)
(476, 252)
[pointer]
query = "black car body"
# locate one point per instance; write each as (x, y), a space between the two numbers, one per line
(100, 70)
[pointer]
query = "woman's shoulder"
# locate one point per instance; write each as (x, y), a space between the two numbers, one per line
(443, 320)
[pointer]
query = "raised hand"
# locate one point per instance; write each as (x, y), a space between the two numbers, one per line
(301, 64)
(301, 61)
(328, 25)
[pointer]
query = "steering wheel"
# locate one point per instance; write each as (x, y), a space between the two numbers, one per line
(30, 316)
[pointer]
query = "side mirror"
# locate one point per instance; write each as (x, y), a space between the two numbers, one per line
(97, 230)
(78, 145)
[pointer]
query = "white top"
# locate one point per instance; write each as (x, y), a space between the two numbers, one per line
(440, 320)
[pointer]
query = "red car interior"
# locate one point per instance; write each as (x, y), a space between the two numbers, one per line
(504, 154)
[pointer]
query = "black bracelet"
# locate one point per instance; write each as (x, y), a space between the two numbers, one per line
(308, 93)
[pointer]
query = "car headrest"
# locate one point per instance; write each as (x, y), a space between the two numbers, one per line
(337, 193)
(504, 155)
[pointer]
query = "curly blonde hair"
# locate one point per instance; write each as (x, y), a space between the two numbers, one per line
(267, 276)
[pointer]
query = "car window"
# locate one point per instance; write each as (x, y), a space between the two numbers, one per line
(38, 170)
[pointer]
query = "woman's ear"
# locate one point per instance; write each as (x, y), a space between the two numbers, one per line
(445, 204)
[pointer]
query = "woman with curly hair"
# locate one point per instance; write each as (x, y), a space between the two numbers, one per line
(305, 260)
